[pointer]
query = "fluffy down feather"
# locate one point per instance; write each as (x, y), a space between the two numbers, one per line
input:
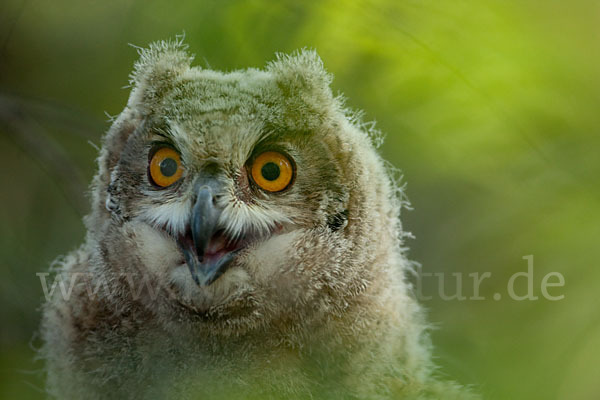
(316, 306)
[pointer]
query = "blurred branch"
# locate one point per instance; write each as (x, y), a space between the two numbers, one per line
(500, 110)
(33, 139)
(73, 120)
(11, 28)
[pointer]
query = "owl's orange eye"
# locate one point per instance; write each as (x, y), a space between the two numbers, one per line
(272, 171)
(165, 167)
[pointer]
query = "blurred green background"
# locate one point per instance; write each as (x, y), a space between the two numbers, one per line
(491, 109)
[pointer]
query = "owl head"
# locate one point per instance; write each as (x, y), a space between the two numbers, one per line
(245, 197)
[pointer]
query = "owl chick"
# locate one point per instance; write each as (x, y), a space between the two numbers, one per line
(244, 242)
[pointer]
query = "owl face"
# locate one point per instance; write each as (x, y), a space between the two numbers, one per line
(234, 188)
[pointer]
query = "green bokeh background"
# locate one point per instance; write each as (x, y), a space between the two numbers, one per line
(491, 109)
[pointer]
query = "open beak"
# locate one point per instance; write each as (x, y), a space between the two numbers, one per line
(206, 249)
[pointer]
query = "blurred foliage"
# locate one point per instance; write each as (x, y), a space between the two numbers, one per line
(491, 110)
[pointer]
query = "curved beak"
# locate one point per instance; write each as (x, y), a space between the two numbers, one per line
(205, 216)
(204, 229)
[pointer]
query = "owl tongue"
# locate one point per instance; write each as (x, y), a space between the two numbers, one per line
(217, 242)
(218, 245)
(217, 255)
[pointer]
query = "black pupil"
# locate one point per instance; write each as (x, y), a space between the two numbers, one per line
(270, 171)
(168, 167)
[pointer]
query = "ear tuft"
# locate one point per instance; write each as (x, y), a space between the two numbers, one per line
(301, 71)
(157, 69)
(304, 85)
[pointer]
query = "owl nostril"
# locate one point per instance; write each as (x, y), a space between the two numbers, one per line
(218, 198)
(209, 179)
(209, 195)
